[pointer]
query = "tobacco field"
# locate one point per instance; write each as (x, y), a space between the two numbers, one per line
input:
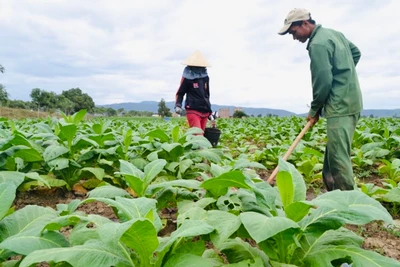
(149, 192)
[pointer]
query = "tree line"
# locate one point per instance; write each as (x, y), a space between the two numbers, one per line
(69, 101)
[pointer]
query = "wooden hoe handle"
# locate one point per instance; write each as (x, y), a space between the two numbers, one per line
(290, 150)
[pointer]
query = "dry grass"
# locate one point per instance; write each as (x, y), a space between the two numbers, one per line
(15, 113)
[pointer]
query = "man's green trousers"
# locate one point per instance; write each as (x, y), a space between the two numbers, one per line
(337, 172)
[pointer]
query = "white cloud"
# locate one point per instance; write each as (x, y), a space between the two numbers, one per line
(129, 51)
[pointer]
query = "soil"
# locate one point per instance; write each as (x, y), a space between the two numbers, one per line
(378, 237)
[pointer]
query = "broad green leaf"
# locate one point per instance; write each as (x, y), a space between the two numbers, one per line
(29, 155)
(127, 139)
(312, 242)
(54, 151)
(265, 196)
(28, 220)
(194, 213)
(279, 264)
(59, 163)
(175, 134)
(153, 156)
(53, 182)
(194, 247)
(335, 208)
(377, 153)
(237, 250)
(10, 176)
(10, 263)
(97, 172)
(184, 165)
(7, 196)
(354, 206)
(136, 184)
(257, 262)
(107, 191)
(29, 242)
(189, 228)
(286, 188)
(92, 253)
(174, 150)
(393, 195)
(190, 184)
(160, 134)
(261, 227)
(244, 163)
(225, 223)
(81, 233)
(129, 209)
(187, 260)
(37, 177)
(127, 168)
(77, 117)
(218, 186)
(142, 238)
(299, 185)
(185, 205)
(20, 140)
(153, 169)
(396, 163)
(207, 154)
(217, 170)
(68, 132)
(360, 257)
(297, 210)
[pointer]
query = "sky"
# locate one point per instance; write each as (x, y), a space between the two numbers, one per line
(120, 51)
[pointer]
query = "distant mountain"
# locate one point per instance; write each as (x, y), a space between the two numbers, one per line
(153, 107)
(381, 112)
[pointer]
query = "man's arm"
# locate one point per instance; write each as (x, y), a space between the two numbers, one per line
(355, 52)
(321, 75)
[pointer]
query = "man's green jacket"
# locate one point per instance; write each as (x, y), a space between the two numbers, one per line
(334, 78)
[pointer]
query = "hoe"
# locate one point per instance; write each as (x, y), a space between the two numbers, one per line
(291, 148)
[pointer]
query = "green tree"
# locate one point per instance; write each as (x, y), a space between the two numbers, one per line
(64, 104)
(239, 114)
(80, 100)
(110, 112)
(44, 100)
(121, 111)
(3, 95)
(17, 104)
(163, 110)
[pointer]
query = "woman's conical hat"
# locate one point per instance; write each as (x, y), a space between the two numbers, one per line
(196, 59)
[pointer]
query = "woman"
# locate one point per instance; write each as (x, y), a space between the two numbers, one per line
(195, 84)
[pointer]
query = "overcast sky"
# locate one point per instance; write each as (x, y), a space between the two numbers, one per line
(131, 50)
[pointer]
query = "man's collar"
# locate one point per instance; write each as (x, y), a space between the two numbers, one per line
(316, 28)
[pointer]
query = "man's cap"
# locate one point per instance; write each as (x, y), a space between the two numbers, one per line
(297, 14)
(197, 60)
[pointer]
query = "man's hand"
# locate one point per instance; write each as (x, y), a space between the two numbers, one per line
(313, 120)
(178, 110)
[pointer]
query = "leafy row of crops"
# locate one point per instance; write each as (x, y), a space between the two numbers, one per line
(226, 214)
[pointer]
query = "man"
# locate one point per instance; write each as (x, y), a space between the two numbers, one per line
(336, 92)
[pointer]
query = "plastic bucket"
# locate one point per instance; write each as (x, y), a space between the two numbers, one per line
(212, 135)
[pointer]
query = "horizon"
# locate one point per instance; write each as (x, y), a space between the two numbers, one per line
(364, 109)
